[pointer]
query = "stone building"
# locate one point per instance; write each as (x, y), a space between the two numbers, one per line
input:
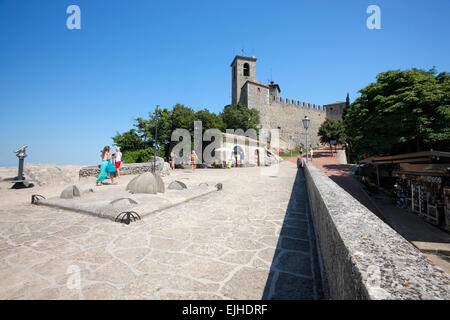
(277, 112)
(252, 152)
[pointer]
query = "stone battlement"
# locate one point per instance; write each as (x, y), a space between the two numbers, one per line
(300, 104)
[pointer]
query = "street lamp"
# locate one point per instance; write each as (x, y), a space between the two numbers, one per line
(156, 139)
(306, 122)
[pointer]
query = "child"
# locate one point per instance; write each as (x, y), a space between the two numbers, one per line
(193, 158)
(118, 160)
(172, 161)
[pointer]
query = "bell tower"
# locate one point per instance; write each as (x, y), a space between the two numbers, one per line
(242, 70)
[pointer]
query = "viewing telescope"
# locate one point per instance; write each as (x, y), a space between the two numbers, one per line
(20, 182)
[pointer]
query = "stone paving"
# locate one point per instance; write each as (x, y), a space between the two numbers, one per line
(252, 240)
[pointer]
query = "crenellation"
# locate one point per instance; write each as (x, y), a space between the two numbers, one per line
(277, 112)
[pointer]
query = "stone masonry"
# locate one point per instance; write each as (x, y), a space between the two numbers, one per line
(276, 112)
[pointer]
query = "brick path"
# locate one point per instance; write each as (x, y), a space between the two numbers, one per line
(342, 175)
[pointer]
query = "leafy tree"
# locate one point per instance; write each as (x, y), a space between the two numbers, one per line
(129, 141)
(138, 144)
(147, 127)
(240, 117)
(331, 130)
(347, 106)
(141, 155)
(210, 120)
(404, 111)
(182, 118)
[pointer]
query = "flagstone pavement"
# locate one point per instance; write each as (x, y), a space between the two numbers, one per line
(252, 240)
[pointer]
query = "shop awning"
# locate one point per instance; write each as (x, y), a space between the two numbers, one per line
(417, 157)
(432, 169)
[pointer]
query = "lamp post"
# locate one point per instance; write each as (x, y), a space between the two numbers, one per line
(156, 139)
(306, 122)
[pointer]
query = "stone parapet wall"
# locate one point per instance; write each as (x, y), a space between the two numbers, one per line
(362, 257)
(125, 169)
(341, 157)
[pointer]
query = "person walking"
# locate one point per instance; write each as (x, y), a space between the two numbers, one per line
(172, 160)
(118, 161)
(238, 160)
(233, 159)
(106, 158)
(193, 160)
(312, 153)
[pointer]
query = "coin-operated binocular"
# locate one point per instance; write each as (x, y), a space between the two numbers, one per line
(20, 182)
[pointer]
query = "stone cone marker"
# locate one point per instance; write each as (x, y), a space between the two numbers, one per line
(70, 192)
(123, 202)
(146, 183)
(177, 185)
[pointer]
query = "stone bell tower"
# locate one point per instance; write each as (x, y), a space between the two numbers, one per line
(242, 69)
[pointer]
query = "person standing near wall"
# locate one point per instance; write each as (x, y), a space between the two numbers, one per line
(106, 158)
(118, 161)
(312, 152)
(193, 160)
(172, 161)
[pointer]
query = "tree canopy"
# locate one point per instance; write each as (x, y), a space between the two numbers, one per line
(404, 111)
(240, 117)
(331, 130)
(138, 144)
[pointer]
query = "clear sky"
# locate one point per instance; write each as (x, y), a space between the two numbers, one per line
(65, 93)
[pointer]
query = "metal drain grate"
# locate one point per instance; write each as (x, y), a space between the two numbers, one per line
(127, 217)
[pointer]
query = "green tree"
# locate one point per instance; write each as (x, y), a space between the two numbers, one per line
(210, 120)
(129, 141)
(138, 144)
(240, 117)
(331, 130)
(347, 106)
(146, 128)
(182, 118)
(404, 111)
(141, 155)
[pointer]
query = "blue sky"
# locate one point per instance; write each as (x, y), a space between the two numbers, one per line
(65, 93)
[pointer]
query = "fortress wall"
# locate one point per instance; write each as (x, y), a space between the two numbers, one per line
(288, 117)
(362, 257)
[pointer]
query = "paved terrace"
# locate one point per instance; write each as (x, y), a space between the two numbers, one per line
(252, 240)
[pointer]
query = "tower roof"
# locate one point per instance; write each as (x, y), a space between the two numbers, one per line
(243, 58)
(337, 102)
(255, 83)
(274, 85)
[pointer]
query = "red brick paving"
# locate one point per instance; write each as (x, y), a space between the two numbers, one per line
(342, 175)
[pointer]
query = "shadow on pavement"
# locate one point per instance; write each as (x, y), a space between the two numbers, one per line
(295, 273)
